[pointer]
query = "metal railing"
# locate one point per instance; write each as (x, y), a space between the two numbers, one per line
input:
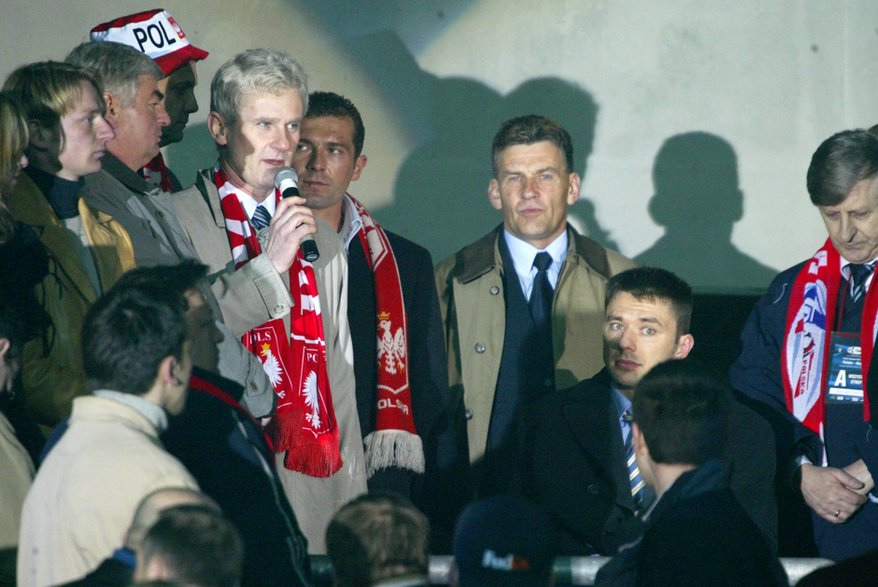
(578, 570)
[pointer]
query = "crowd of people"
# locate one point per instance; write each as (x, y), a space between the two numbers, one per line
(205, 385)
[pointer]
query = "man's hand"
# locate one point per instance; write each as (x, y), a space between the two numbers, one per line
(833, 493)
(859, 470)
(292, 221)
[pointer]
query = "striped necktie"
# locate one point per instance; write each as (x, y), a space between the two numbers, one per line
(261, 217)
(859, 275)
(634, 476)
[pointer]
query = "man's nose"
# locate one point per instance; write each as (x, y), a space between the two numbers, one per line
(317, 160)
(627, 340)
(847, 228)
(162, 116)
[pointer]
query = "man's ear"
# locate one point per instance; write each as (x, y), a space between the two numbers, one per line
(218, 128)
(573, 190)
(113, 109)
(494, 194)
(684, 346)
(167, 372)
(359, 165)
(640, 446)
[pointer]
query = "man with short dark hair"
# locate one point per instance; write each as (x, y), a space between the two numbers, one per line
(191, 545)
(806, 350)
(392, 300)
(379, 539)
(574, 454)
(156, 34)
(696, 533)
(522, 305)
(223, 446)
(118, 570)
(137, 364)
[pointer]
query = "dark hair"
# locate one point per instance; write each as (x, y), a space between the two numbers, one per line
(197, 544)
(11, 328)
(127, 333)
(652, 283)
(839, 163)
(377, 536)
(682, 411)
(530, 129)
(169, 281)
(332, 104)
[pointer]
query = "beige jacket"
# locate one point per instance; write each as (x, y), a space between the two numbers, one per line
(18, 472)
(84, 496)
(314, 500)
(470, 285)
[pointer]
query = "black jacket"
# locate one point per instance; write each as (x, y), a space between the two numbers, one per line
(569, 458)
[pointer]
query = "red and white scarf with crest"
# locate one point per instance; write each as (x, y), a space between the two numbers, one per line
(304, 424)
(156, 173)
(806, 348)
(395, 441)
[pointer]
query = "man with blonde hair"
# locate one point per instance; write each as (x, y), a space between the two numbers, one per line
(64, 108)
(237, 220)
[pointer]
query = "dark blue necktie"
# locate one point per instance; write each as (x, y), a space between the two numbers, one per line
(261, 217)
(859, 274)
(542, 293)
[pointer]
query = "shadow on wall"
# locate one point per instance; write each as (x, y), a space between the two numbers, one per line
(698, 200)
(440, 195)
(195, 152)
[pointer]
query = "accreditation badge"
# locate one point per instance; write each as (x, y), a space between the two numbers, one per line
(845, 378)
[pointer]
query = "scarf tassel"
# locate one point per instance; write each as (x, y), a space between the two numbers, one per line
(394, 448)
(319, 457)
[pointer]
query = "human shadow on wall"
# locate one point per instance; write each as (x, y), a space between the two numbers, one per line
(440, 194)
(698, 200)
(196, 151)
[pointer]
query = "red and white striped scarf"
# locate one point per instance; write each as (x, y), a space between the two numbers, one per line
(806, 346)
(156, 173)
(304, 424)
(395, 441)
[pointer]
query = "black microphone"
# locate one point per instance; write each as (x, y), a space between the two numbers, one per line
(286, 181)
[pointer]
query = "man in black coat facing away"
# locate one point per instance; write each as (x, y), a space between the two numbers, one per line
(572, 450)
(696, 533)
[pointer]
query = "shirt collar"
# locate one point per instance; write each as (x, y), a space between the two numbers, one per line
(351, 221)
(249, 203)
(152, 412)
(523, 253)
(844, 265)
(846, 272)
(621, 401)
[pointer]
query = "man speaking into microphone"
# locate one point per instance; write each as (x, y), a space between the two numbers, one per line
(235, 216)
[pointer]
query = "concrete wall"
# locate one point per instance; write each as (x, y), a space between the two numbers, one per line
(693, 120)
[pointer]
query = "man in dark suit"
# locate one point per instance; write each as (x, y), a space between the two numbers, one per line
(573, 452)
(679, 429)
(396, 329)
